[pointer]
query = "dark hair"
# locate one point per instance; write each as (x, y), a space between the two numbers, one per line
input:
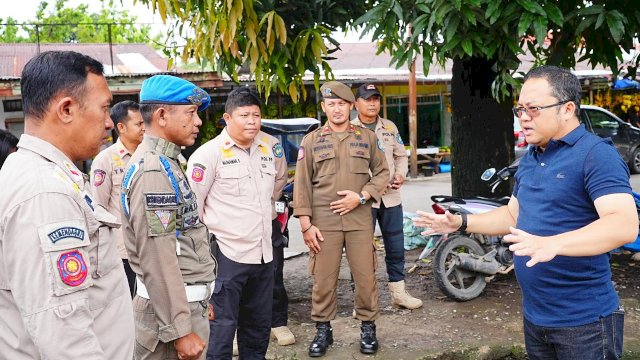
(147, 110)
(565, 86)
(51, 73)
(8, 144)
(239, 97)
(120, 111)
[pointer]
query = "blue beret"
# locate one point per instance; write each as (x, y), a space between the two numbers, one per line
(167, 89)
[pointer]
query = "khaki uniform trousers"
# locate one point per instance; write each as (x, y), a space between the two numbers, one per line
(325, 267)
(145, 319)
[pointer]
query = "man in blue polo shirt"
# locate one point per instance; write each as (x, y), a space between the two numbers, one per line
(571, 205)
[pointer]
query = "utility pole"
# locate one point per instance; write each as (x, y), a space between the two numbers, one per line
(413, 121)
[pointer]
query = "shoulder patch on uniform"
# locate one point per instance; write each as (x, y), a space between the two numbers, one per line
(161, 221)
(301, 153)
(63, 235)
(72, 268)
(160, 199)
(400, 140)
(197, 174)
(277, 150)
(98, 177)
(66, 232)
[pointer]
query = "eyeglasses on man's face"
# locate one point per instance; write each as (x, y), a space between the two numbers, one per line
(534, 111)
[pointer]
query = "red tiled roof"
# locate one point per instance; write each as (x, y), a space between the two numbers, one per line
(127, 58)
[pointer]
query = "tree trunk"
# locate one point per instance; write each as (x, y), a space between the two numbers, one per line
(481, 128)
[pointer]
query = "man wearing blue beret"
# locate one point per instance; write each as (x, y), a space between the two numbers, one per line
(167, 244)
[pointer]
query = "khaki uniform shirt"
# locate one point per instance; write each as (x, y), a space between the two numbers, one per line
(327, 165)
(396, 156)
(107, 172)
(63, 293)
(235, 191)
(168, 246)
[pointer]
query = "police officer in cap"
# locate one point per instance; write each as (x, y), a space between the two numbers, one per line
(388, 211)
(340, 171)
(168, 246)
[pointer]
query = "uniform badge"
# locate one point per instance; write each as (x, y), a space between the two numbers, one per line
(400, 140)
(98, 177)
(227, 153)
(72, 268)
(263, 149)
(380, 145)
(197, 174)
(71, 170)
(164, 217)
(326, 92)
(198, 97)
(277, 150)
(66, 232)
(301, 153)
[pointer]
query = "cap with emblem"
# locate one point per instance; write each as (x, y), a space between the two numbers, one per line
(336, 90)
(171, 90)
(367, 90)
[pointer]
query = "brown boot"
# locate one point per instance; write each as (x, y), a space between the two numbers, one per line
(283, 335)
(401, 298)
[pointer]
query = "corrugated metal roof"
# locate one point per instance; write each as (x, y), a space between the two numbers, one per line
(127, 58)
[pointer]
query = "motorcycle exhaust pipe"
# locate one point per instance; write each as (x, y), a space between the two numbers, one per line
(486, 264)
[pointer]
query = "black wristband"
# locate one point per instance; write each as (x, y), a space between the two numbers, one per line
(463, 226)
(310, 226)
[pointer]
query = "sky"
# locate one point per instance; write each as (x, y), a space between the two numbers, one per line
(27, 11)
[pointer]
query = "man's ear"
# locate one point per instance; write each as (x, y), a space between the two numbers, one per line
(162, 114)
(65, 108)
(226, 117)
(121, 127)
(322, 105)
(570, 111)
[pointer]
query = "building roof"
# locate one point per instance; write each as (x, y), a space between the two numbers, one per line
(127, 58)
(359, 61)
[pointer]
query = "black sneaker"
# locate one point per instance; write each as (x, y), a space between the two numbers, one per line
(368, 341)
(324, 338)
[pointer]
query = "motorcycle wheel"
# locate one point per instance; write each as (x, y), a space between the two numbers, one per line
(458, 284)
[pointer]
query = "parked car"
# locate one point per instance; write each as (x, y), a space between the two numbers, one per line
(290, 133)
(603, 123)
(625, 137)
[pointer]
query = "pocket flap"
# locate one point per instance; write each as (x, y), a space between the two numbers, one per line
(360, 152)
(233, 172)
(324, 155)
(147, 338)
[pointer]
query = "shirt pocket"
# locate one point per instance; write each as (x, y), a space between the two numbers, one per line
(325, 162)
(105, 258)
(359, 160)
(268, 177)
(232, 180)
(64, 245)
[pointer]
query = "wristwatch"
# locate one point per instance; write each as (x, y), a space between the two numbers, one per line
(363, 200)
(463, 226)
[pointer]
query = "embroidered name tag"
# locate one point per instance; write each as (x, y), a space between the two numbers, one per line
(161, 199)
(66, 232)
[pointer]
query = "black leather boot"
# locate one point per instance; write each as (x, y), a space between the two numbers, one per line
(324, 338)
(368, 340)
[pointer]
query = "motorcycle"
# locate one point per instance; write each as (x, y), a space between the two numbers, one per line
(463, 263)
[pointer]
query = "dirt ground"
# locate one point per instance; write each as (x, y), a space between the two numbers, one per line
(488, 327)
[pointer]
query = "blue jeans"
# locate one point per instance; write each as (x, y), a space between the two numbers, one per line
(390, 221)
(598, 340)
